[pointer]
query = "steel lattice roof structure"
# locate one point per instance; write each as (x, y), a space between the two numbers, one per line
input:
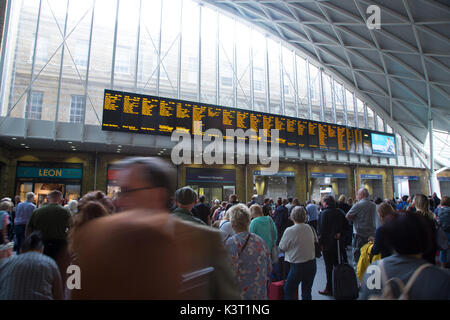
(403, 67)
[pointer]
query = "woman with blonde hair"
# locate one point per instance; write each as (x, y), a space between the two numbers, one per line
(225, 226)
(422, 206)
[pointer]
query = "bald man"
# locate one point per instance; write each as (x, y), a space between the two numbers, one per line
(363, 215)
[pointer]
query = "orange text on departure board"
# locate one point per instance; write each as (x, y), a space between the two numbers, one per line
(111, 101)
(148, 105)
(341, 136)
(322, 134)
(166, 108)
(130, 104)
(241, 116)
(228, 116)
(182, 113)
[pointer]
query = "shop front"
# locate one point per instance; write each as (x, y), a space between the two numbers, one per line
(211, 182)
(112, 185)
(374, 184)
(406, 185)
(323, 183)
(444, 184)
(281, 184)
(43, 177)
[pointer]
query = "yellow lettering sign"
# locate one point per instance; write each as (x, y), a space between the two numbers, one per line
(50, 172)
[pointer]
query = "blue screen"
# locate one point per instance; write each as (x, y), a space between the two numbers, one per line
(383, 144)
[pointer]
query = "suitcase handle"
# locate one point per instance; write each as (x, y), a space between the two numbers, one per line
(339, 252)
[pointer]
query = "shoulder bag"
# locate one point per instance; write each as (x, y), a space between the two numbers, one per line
(274, 252)
(318, 252)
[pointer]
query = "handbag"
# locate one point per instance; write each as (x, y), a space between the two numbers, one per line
(274, 252)
(318, 251)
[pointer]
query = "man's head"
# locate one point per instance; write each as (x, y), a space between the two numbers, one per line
(185, 198)
(256, 211)
(33, 243)
(233, 198)
(30, 196)
(328, 202)
(145, 182)
(363, 193)
(290, 199)
(409, 234)
(202, 198)
(55, 197)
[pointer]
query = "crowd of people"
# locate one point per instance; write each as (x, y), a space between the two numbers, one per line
(154, 241)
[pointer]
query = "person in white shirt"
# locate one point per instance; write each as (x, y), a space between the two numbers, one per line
(298, 244)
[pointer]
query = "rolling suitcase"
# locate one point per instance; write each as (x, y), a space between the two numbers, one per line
(345, 285)
(275, 291)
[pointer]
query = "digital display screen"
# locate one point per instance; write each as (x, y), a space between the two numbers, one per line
(383, 144)
(144, 114)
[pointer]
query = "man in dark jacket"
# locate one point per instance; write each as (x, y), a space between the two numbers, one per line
(332, 226)
(281, 218)
(232, 200)
(202, 210)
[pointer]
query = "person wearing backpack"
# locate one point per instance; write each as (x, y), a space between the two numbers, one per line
(405, 274)
(443, 213)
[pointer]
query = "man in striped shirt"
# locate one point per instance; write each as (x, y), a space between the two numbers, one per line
(30, 275)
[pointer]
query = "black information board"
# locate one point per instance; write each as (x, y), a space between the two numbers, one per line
(136, 113)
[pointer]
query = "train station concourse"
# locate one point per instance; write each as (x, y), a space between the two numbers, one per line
(296, 107)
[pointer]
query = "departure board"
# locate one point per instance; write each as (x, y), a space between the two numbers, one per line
(145, 114)
(183, 117)
(149, 115)
(131, 117)
(255, 122)
(214, 118)
(280, 125)
(112, 110)
(367, 143)
(268, 124)
(167, 116)
(199, 114)
(322, 132)
(302, 133)
(243, 121)
(332, 141)
(313, 135)
(291, 132)
(341, 133)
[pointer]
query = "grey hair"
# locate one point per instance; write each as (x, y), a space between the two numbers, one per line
(298, 214)
(6, 205)
(30, 196)
(239, 217)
